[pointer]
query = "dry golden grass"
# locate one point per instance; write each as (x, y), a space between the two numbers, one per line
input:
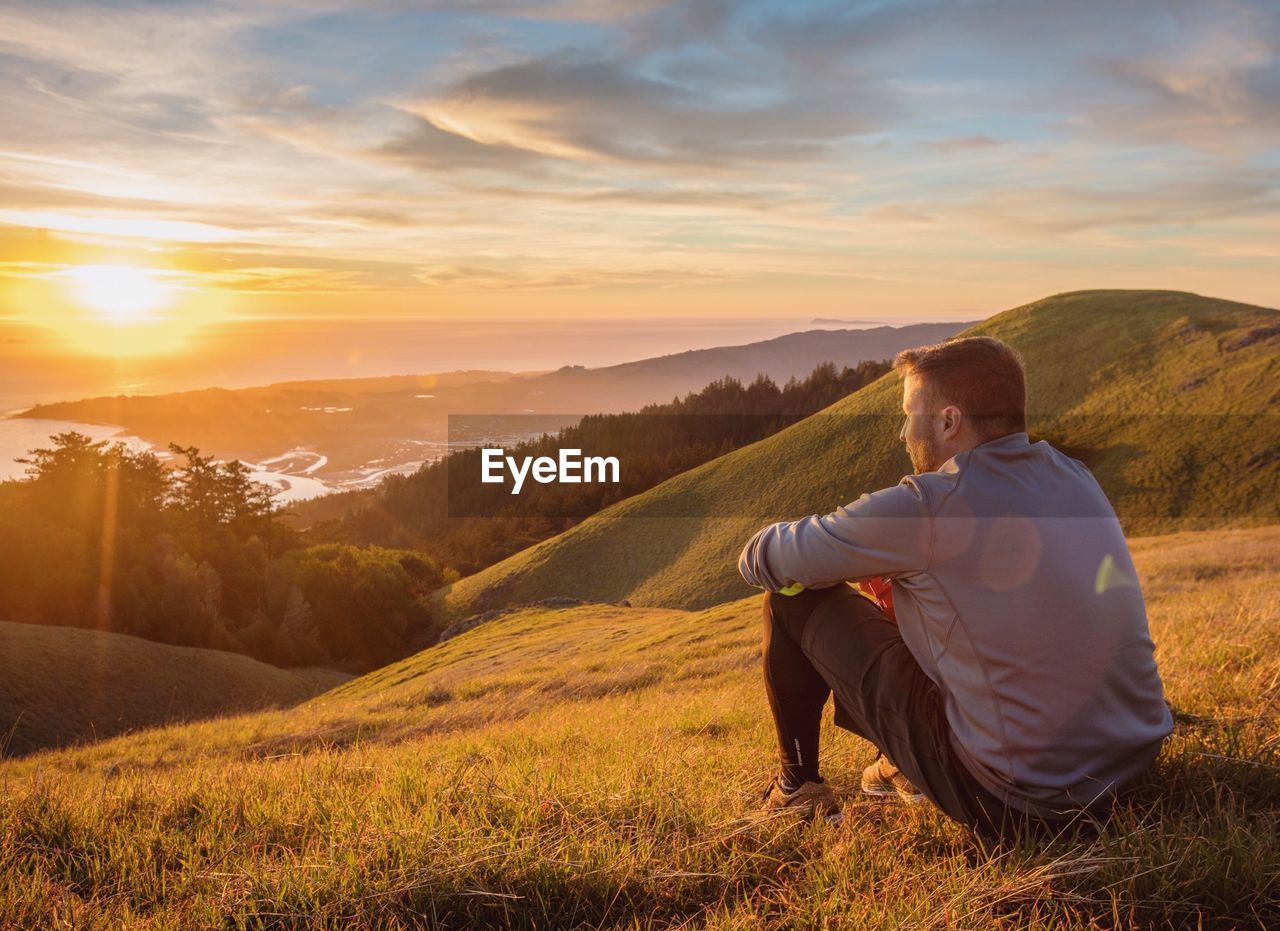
(584, 768)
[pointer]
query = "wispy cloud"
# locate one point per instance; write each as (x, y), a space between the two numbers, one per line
(508, 146)
(579, 108)
(964, 143)
(1062, 209)
(1215, 86)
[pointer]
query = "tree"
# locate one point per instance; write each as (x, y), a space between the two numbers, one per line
(247, 503)
(211, 495)
(198, 496)
(142, 481)
(66, 479)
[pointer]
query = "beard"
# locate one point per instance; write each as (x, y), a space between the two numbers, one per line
(924, 453)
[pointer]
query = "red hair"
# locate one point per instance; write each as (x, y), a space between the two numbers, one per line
(981, 375)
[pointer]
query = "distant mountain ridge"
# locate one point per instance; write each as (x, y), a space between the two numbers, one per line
(783, 357)
(1109, 375)
(404, 418)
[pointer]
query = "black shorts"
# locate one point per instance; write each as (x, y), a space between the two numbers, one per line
(883, 695)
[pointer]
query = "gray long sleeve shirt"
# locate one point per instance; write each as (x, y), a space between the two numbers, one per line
(1015, 591)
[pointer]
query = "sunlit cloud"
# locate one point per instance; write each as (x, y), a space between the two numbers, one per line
(579, 108)
(732, 156)
(139, 227)
(586, 277)
(1060, 209)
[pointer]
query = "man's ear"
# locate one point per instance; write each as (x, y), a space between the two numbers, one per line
(952, 419)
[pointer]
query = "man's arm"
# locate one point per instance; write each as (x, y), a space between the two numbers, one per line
(886, 532)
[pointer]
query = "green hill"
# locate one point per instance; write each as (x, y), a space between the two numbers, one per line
(60, 685)
(586, 767)
(1169, 397)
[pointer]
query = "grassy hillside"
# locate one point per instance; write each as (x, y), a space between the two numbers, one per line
(1170, 398)
(59, 685)
(586, 768)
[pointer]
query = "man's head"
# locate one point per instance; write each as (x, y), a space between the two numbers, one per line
(957, 394)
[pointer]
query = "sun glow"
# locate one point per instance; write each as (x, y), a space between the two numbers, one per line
(121, 293)
(120, 308)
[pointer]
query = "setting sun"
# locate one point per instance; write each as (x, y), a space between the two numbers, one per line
(121, 308)
(121, 293)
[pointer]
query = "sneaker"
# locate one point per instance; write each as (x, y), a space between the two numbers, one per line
(811, 798)
(883, 778)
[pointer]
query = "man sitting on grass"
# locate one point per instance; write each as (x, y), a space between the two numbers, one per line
(1018, 685)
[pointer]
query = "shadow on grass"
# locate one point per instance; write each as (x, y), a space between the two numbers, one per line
(530, 899)
(1194, 843)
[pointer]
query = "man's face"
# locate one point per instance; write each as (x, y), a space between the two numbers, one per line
(921, 431)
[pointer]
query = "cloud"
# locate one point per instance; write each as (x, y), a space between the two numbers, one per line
(568, 10)
(577, 108)
(268, 279)
(680, 24)
(757, 198)
(365, 216)
(545, 144)
(1054, 210)
(1203, 74)
(26, 195)
(586, 277)
(428, 147)
(964, 143)
(1216, 88)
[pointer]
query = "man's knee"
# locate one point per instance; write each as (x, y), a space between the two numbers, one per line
(776, 604)
(774, 609)
(777, 611)
(790, 613)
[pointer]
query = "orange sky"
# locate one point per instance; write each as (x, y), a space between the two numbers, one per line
(587, 158)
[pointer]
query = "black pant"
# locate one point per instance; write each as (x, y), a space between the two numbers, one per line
(835, 641)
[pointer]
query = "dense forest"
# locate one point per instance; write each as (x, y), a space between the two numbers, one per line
(103, 537)
(445, 512)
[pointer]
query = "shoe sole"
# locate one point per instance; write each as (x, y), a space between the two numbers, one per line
(910, 799)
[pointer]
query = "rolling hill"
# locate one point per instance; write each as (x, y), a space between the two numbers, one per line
(60, 685)
(586, 767)
(1170, 398)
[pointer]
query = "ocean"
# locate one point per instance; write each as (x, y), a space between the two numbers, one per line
(34, 368)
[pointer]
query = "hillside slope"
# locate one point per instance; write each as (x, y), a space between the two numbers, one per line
(1168, 397)
(59, 685)
(585, 768)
